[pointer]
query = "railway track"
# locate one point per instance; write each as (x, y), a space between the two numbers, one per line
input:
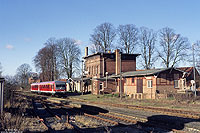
(173, 112)
(66, 121)
(37, 111)
(46, 122)
(117, 118)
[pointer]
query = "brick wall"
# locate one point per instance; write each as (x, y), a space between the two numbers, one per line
(93, 66)
(128, 65)
(130, 87)
(111, 87)
(110, 66)
(165, 81)
(98, 64)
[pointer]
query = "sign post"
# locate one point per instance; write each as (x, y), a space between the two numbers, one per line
(1, 94)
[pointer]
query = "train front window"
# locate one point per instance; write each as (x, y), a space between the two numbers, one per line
(60, 86)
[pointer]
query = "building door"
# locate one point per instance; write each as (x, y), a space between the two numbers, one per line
(139, 86)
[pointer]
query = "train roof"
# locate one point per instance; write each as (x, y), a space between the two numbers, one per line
(48, 82)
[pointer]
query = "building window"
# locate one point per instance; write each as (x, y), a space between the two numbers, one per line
(133, 80)
(149, 83)
(176, 84)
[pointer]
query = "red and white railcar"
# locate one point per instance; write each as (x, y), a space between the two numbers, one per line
(49, 87)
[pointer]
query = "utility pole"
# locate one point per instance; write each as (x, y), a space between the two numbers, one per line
(120, 56)
(82, 80)
(195, 92)
(1, 94)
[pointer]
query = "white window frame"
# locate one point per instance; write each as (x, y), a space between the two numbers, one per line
(149, 83)
(177, 84)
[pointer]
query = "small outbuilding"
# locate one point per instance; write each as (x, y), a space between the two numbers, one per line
(154, 83)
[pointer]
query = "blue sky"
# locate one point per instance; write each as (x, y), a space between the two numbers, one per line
(25, 25)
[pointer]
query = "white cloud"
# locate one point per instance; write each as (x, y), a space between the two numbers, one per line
(9, 46)
(78, 42)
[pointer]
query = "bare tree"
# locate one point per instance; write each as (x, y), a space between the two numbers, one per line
(51, 44)
(128, 37)
(197, 54)
(173, 47)
(147, 41)
(69, 54)
(23, 73)
(103, 37)
(43, 65)
(46, 61)
(11, 83)
(95, 48)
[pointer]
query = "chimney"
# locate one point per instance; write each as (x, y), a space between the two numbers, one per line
(117, 62)
(86, 51)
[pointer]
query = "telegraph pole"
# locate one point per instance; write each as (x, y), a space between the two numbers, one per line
(195, 92)
(120, 56)
(82, 80)
(1, 94)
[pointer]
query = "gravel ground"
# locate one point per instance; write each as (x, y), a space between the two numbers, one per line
(185, 124)
(93, 125)
(32, 125)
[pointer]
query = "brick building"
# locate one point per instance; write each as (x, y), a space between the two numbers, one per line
(157, 83)
(100, 66)
(103, 74)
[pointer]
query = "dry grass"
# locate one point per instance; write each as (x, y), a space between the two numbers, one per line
(11, 122)
(14, 117)
(88, 122)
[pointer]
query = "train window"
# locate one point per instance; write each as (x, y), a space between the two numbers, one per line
(60, 85)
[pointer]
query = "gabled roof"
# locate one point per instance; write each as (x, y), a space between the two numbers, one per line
(144, 73)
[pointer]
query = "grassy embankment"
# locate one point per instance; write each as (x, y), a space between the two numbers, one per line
(191, 105)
